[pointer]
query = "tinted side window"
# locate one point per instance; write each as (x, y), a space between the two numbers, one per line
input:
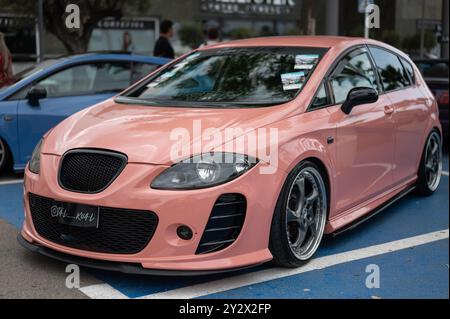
(321, 98)
(112, 77)
(357, 72)
(141, 70)
(409, 70)
(88, 79)
(390, 69)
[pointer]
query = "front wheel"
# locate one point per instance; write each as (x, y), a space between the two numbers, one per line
(4, 157)
(430, 170)
(300, 217)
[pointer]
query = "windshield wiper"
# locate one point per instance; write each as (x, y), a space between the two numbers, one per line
(135, 101)
(198, 104)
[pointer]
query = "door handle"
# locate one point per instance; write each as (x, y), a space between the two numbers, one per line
(8, 118)
(388, 109)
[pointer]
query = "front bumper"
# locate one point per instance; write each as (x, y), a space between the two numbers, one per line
(166, 251)
(126, 268)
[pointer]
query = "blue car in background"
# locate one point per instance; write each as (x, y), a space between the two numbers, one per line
(46, 94)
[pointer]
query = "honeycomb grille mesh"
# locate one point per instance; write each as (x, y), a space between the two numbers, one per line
(121, 231)
(90, 172)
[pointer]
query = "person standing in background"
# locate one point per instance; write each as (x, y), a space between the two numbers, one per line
(163, 48)
(127, 42)
(6, 73)
(212, 35)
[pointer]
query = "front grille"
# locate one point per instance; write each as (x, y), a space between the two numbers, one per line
(120, 231)
(90, 171)
(224, 224)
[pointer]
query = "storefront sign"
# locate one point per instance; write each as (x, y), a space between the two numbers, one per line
(256, 7)
(129, 24)
(136, 35)
(16, 21)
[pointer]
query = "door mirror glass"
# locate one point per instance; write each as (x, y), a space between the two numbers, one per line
(358, 96)
(35, 94)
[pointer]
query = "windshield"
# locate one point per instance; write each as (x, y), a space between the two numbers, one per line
(22, 75)
(233, 76)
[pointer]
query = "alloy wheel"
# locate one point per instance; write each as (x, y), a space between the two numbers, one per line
(306, 213)
(433, 161)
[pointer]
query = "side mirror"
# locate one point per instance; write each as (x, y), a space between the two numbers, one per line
(358, 96)
(35, 94)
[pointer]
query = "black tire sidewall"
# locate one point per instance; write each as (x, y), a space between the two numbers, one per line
(422, 187)
(279, 244)
(7, 159)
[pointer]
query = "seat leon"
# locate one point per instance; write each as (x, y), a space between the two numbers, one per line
(234, 155)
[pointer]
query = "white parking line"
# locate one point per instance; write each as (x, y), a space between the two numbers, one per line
(445, 173)
(103, 291)
(11, 182)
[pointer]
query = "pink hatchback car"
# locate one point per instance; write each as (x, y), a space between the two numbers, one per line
(234, 155)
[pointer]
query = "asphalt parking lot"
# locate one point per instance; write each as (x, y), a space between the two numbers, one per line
(408, 243)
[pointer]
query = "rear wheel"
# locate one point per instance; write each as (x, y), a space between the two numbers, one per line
(430, 169)
(300, 217)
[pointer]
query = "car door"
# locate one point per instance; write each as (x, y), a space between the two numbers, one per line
(68, 91)
(411, 111)
(364, 145)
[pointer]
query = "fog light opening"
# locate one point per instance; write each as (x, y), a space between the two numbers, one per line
(184, 232)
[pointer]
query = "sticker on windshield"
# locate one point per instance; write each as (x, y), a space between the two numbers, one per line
(293, 81)
(306, 61)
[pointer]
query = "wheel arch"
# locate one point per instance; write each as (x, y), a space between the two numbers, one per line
(325, 174)
(324, 170)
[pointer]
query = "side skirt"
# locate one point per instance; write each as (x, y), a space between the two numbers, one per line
(375, 212)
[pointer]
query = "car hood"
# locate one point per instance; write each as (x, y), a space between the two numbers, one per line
(155, 135)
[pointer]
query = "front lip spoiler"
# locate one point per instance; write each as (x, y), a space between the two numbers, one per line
(126, 268)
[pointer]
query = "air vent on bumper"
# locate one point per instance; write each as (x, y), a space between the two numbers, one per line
(225, 223)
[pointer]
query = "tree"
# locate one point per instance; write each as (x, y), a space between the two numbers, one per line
(191, 35)
(242, 33)
(91, 13)
(412, 43)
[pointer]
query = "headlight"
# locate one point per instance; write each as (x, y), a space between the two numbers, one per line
(204, 171)
(35, 162)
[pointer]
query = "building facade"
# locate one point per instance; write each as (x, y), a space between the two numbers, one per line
(399, 19)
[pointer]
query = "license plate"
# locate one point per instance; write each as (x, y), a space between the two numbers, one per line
(75, 214)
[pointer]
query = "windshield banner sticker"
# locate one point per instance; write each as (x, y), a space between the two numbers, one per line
(293, 81)
(306, 61)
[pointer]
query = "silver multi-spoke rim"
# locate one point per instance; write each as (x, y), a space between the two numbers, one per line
(433, 161)
(306, 213)
(2, 153)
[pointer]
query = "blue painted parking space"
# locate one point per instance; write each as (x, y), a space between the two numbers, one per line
(419, 272)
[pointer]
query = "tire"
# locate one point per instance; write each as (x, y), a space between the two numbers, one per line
(295, 212)
(5, 157)
(430, 170)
